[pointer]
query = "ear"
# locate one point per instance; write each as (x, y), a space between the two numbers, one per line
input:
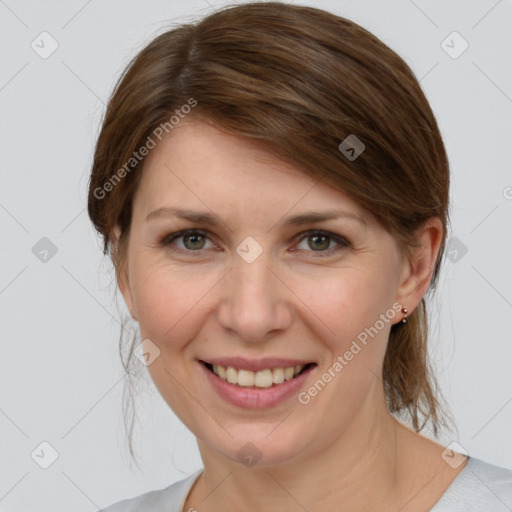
(122, 275)
(419, 266)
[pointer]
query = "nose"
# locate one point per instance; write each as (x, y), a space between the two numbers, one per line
(255, 303)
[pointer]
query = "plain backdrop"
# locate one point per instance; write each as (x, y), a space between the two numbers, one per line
(61, 379)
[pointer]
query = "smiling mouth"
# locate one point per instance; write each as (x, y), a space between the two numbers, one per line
(261, 379)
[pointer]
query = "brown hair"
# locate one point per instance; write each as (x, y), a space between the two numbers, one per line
(300, 80)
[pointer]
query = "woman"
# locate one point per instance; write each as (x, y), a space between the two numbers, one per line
(273, 188)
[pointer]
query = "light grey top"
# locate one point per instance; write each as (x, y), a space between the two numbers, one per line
(479, 487)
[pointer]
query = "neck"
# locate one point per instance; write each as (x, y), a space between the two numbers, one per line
(359, 471)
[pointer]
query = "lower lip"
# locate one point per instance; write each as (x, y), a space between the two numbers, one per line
(256, 398)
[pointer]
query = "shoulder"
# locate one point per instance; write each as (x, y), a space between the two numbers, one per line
(481, 487)
(169, 499)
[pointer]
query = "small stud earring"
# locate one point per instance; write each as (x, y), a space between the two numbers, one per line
(404, 319)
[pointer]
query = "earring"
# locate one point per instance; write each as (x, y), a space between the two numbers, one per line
(404, 319)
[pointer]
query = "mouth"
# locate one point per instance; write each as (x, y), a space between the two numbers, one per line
(263, 379)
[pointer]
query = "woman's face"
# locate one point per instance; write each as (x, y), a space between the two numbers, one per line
(256, 291)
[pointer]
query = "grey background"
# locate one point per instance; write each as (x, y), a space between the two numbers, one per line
(61, 379)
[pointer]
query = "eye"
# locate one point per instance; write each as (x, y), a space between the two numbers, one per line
(321, 240)
(194, 241)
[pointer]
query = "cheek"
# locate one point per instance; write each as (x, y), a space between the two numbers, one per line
(171, 308)
(168, 301)
(341, 307)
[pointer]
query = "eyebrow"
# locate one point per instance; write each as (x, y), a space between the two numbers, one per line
(308, 217)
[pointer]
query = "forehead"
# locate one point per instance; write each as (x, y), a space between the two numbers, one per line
(199, 165)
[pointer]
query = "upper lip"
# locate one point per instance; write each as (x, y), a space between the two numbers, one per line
(255, 365)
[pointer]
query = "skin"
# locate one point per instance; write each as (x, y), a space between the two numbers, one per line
(341, 451)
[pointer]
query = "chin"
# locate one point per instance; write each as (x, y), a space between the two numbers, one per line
(260, 446)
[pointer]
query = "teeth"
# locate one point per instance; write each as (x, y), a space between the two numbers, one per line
(278, 375)
(245, 378)
(262, 379)
(231, 375)
(221, 371)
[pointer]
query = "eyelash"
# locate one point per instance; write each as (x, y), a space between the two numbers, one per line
(342, 242)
